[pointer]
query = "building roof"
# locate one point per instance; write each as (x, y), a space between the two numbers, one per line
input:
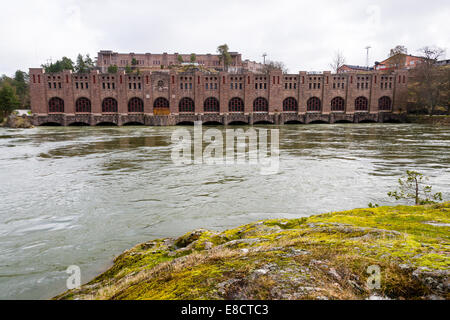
(361, 68)
(443, 62)
(403, 54)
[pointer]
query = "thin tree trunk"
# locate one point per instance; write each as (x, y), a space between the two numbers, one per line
(417, 192)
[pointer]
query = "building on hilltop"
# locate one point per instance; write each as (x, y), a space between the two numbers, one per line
(442, 63)
(352, 68)
(399, 61)
(164, 61)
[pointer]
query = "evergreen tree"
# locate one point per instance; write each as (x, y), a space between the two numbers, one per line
(84, 65)
(60, 65)
(224, 56)
(8, 100)
(113, 68)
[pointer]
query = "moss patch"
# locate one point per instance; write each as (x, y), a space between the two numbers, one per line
(321, 257)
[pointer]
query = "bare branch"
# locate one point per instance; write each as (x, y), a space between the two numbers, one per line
(338, 61)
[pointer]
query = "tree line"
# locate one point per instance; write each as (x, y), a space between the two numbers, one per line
(14, 93)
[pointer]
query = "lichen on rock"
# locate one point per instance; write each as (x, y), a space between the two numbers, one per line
(321, 257)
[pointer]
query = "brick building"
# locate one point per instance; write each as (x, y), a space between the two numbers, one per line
(162, 61)
(352, 68)
(399, 61)
(170, 98)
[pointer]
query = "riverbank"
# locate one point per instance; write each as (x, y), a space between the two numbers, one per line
(320, 257)
(425, 119)
(17, 122)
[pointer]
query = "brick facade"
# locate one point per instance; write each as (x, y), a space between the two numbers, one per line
(162, 61)
(169, 98)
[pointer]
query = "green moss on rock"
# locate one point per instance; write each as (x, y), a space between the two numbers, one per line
(320, 257)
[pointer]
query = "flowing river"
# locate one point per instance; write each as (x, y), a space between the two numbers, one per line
(82, 195)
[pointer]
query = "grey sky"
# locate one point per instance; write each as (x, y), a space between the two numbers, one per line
(302, 34)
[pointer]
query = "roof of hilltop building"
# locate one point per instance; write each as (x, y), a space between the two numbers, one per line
(349, 67)
(400, 60)
(443, 62)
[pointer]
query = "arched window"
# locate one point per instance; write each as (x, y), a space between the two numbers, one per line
(236, 105)
(313, 104)
(109, 105)
(361, 104)
(135, 105)
(338, 104)
(290, 105)
(260, 105)
(211, 105)
(161, 103)
(83, 105)
(55, 104)
(186, 105)
(385, 104)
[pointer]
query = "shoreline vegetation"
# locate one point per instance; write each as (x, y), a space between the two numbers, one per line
(396, 252)
(440, 120)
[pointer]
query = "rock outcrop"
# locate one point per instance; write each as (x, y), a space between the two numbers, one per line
(379, 253)
(15, 121)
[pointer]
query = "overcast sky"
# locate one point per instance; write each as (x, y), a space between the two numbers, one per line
(303, 34)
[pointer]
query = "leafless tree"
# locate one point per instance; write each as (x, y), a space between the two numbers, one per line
(274, 65)
(429, 85)
(398, 50)
(338, 61)
(397, 56)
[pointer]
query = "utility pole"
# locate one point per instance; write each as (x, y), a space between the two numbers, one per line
(367, 56)
(264, 57)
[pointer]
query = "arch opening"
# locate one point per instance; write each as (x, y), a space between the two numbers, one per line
(392, 121)
(83, 105)
(161, 107)
(186, 105)
(361, 104)
(79, 124)
(50, 124)
(338, 104)
(260, 104)
(211, 105)
(263, 122)
(109, 105)
(212, 123)
(237, 123)
(135, 105)
(133, 123)
(314, 104)
(318, 122)
(236, 105)
(106, 124)
(367, 121)
(293, 122)
(385, 104)
(56, 105)
(343, 121)
(290, 105)
(185, 123)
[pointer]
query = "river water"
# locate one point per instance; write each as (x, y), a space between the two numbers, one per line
(82, 195)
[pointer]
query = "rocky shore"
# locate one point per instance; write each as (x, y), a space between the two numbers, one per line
(15, 121)
(434, 120)
(397, 252)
